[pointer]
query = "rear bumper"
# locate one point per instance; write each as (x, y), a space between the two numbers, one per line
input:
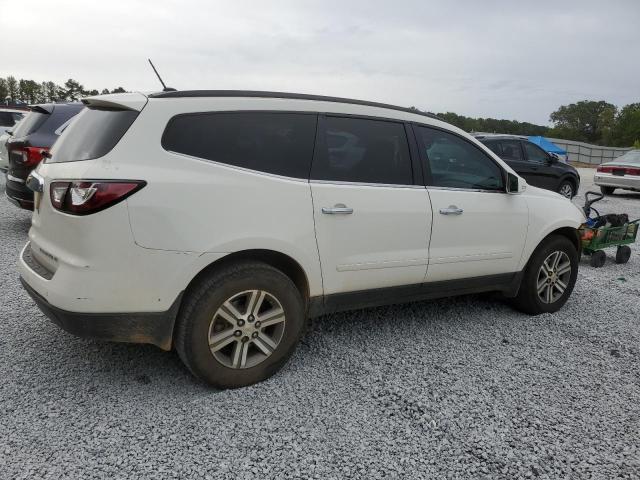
(155, 328)
(19, 194)
(631, 182)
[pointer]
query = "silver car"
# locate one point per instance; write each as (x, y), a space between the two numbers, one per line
(623, 172)
(8, 120)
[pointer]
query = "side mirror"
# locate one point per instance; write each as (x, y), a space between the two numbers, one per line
(515, 184)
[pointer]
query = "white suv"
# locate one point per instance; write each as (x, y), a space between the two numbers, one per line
(217, 222)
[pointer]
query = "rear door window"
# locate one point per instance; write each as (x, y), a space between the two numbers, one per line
(271, 142)
(511, 150)
(494, 147)
(92, 134)
(363, 151)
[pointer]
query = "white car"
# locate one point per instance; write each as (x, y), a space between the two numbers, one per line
(217, 222)
(623, 172)
(9, 118)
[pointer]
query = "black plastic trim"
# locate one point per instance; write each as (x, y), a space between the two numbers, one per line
(508, 284)
(416, 163)
(292, 96)
(155, 328)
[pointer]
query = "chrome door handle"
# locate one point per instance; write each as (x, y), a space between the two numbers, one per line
(337, 209)
(451, 210)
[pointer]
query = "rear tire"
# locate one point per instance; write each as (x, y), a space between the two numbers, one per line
(217, 312)
(544, 289)
(623, 254)
(598, 259)
(566, 189)
(607, 190)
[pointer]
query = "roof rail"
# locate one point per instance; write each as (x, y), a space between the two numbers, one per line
(293, 96)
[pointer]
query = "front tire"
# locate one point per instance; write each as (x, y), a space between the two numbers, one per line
(607, 190)
(549, 277)
(239, 325)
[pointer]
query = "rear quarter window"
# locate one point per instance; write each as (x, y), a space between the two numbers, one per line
(92, 134)
(271, 142)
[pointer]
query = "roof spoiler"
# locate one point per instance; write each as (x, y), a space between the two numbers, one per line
(46, 109)
(120, 101)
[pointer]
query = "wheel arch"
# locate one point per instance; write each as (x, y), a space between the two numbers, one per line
(570, 233)
(286, 264)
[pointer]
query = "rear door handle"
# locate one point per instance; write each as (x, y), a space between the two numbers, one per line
(337, 209)
(451, 210)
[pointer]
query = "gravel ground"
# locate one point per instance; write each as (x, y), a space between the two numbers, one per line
(458, 388)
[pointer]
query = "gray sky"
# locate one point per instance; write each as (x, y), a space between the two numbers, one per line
(504, 59)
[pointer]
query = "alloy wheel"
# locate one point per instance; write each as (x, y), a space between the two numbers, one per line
(246, 329)
(553, 277)
(566, 190)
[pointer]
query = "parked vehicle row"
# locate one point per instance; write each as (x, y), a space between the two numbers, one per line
(9, 117)
(217, 222)
(29, 144)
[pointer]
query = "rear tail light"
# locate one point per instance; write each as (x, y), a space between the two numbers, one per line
(627, 170)
(83, 197)
(32, 156)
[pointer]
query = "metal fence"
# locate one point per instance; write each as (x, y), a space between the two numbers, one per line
(587, 153)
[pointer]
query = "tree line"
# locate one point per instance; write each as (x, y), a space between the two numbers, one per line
(597, 122)
(17, 91)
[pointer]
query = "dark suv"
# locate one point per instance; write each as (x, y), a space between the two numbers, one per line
(30, 141)
(537, 167)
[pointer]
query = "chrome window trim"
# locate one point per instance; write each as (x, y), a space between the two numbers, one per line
(365, 184)
(428, 187)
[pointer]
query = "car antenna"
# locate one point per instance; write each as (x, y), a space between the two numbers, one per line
(164, 87)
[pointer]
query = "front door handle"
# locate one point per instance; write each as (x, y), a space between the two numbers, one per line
(451, 210)
(337, 209)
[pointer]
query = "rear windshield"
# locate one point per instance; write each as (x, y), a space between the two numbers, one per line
(29, 123)
(632, 156)
(92, 134)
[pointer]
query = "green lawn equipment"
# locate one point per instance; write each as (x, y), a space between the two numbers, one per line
(604, 231)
